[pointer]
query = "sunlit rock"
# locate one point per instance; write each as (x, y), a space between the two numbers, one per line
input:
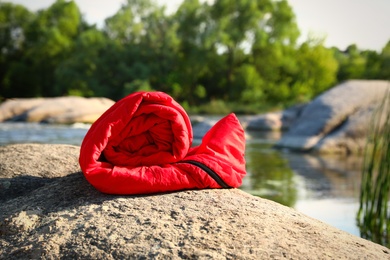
(67, 218)
(338, 121)
(59, 110)
(274, 121)
(24, 168)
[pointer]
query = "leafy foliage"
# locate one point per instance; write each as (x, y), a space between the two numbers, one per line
(240, 52)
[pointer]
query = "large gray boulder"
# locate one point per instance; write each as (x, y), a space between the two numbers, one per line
(60, 110)
(337, 121)
(68, 219)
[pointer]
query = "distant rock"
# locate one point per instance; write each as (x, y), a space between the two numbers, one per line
(58, 110)
(266, 122)
(67, 218)
(201, 125)
(274, 121)
(339, 120)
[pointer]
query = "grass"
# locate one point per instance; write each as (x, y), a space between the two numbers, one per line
(373, 216)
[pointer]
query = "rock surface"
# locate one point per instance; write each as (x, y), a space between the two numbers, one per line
(338, 121)
(201, 125)
(275, 121)
(59, 110)
(24, 168)
(67, 218)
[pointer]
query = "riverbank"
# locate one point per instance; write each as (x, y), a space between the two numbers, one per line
(335, 122)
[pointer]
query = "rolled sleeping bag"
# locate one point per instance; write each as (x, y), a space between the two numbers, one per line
(142, 145)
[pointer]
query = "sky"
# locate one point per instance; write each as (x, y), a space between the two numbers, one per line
(365, 23)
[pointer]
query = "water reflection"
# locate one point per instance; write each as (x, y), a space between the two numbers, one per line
(269, 175)
(327, 176)
(324, 187)
(280, 175)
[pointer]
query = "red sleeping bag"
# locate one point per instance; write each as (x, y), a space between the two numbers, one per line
(142, 144)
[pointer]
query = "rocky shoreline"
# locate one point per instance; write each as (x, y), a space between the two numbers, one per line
(65, 217)
(335, 122)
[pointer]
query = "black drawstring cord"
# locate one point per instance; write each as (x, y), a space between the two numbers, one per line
(210, 172)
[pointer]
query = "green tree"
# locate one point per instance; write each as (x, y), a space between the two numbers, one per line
(385, 62)
(163, 44)
(251, 84)
(274, 51)
(352, 64)
(50, 40)
(194, 49)
(221, 50)
(79, 73)
(14, 19)
(373, 64)
(317, 71)
(235, 23)
(127, 25)
(150, 44)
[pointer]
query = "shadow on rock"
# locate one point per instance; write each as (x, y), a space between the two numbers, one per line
(20, 186)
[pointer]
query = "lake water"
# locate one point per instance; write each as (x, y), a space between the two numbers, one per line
(325, 188)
